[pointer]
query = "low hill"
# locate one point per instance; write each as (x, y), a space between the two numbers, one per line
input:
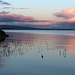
(19, 27)
(16, 27)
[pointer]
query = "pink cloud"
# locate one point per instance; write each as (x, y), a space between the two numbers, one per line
(18, 18)
(15, 18)
(68, 13)
(70, 20)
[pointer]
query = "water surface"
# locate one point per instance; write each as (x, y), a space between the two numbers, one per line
(33, 52)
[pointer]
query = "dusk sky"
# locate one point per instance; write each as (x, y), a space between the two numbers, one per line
(54, 13)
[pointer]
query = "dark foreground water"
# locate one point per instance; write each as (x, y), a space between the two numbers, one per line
(38, 53)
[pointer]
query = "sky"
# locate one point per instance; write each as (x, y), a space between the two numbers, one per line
(52, 13)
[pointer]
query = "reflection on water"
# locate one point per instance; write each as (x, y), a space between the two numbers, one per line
(44, 46)
(35, 42)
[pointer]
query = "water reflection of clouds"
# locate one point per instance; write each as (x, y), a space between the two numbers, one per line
(19, 43)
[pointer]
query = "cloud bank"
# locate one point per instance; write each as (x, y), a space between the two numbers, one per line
(18, 18)
(68, 23)
(15, 18)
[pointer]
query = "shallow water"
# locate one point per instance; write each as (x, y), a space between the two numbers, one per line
(33, 52)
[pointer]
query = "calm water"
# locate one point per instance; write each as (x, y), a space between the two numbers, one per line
(33, 52)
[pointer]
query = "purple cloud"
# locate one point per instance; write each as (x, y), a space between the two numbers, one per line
(4, 3)
(4, 12)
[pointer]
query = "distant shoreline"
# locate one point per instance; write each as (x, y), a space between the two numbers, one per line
(12, 27)
(34, 29)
